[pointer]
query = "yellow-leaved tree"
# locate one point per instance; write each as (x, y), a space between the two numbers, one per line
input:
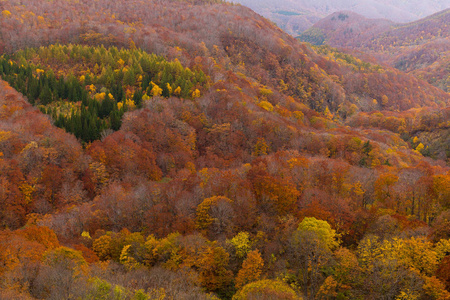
(241, 244)
(267, 289)
(323, 230)
(156, 90)
(127, 259)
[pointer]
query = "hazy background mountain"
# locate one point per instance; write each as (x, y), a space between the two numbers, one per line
(421, 48)
(295, 16)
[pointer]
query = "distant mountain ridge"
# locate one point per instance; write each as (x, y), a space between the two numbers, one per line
(295, 16)
(420, 47)
(345, 29)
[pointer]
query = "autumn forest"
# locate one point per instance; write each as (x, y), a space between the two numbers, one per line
(191, 149)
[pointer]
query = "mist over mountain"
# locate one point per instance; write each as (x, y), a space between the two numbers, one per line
(295, 16)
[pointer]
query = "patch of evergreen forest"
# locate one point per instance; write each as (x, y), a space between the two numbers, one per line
(86, 90)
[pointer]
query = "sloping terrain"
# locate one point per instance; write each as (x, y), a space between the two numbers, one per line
(296, 16)
(346, 29)
(420, 48)
(203, 153)
(252, 44)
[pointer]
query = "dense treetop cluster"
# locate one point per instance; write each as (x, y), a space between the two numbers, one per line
(420, 48)
(204, 154)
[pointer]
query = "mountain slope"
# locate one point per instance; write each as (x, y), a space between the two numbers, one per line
(346, 29)
(254, 46)
(295, 16)
(226, 148)
(421, 47)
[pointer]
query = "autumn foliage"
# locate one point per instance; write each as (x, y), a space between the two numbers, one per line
(218, 158)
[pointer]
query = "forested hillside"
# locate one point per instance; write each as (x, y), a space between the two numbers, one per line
(420, 48)
(296, 16)
(196, 151)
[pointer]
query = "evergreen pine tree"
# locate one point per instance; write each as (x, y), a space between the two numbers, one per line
(137, 98)
(45, 97)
